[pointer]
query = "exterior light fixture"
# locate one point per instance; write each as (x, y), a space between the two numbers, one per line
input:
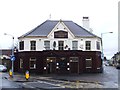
(57, 67)
(68, 64)
(45, 68)
(68, 69)
(57, 63)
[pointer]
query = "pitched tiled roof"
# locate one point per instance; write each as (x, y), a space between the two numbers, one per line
(46, 27)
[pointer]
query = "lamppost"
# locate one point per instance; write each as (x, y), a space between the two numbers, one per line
(102, 44)
(12, 56)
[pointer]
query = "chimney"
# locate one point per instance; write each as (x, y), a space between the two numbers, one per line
(86, 23)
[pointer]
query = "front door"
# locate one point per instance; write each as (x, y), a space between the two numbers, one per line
(51, 65)
(74, 64)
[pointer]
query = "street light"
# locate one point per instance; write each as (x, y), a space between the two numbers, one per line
(102, 43)
(12, 50)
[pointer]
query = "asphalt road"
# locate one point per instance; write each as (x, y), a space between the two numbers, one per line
(109, 78)
(6, 84)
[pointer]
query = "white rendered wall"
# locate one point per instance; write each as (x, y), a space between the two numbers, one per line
(67, 41)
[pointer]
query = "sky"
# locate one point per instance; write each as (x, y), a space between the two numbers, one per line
(20, 16)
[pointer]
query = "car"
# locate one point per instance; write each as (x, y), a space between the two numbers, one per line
(3, 68)
(118, 66)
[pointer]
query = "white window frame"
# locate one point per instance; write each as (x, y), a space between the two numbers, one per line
(97, 45)
(74, 45)
(86, 47)
(33, 47)
(60, 47)
(47, 45)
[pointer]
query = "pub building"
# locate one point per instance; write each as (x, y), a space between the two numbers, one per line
(59, 46)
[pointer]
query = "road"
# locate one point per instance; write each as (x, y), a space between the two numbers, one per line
(5, 83)
(108, 79)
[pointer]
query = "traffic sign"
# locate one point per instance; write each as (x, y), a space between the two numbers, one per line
(12, 58)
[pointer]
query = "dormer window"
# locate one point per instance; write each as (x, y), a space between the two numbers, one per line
(60, 34)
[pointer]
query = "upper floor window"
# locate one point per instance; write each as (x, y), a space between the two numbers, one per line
(74, 45)
(33, 45)
(47, 45)
(21, 45)
(60, 34)
(61, 45)
(88, 45)
(98, 45)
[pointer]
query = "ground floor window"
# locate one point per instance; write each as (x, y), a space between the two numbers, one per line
(89, 63)
(32, 63)
(21, 63)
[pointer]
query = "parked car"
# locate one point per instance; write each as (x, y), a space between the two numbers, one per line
(3, 68)
(118, 66)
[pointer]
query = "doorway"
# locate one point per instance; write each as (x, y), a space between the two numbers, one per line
(51, 65)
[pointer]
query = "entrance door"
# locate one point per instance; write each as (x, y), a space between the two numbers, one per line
(74, 64)
(51, 64)
(74, 67)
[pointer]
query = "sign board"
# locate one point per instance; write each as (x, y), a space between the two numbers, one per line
(12, 58)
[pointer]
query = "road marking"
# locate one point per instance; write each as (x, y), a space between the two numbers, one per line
(58, 85)
(28, 85)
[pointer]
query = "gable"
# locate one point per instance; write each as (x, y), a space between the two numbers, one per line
(62, 29)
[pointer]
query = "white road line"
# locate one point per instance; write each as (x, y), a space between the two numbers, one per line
(51, 84)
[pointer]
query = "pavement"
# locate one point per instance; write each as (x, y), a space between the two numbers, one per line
(97, 80)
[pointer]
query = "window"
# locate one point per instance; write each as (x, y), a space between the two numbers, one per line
(74, 45)
(88, 45)
(74, 59)
(21, 45)
(61, 45)
(21, 63)
(98, 45)
(47, 45)
(60, 34)
(89, 63)
(32, 63)
(33, 45)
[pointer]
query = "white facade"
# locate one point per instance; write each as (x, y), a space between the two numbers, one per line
(67, 41)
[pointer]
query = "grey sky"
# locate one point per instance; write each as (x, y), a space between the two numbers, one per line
(20, 16)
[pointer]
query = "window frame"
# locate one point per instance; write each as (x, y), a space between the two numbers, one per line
(98, 45)
(88, 59)
(88, 45)
(21, 45)
(21, 63)
(62, 46)
(33, 60)
(74, 45)
(47, 47)
(33, 45)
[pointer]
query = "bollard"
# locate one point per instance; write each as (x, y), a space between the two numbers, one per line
(10, 73)
(77, 84)
(27, 75)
